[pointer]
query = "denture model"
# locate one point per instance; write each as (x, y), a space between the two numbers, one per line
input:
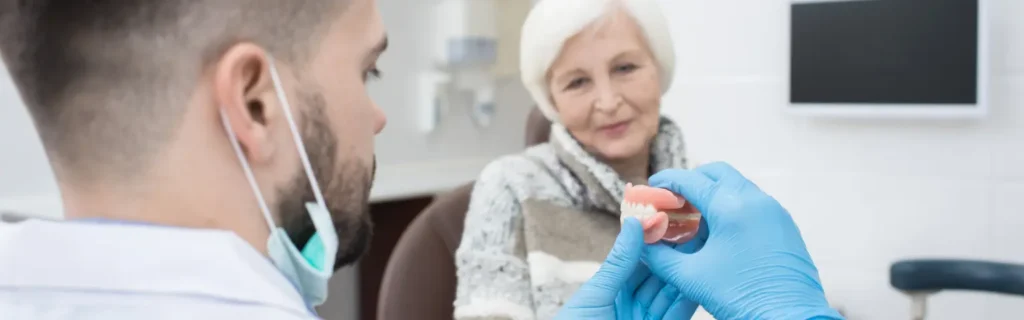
(663, 214)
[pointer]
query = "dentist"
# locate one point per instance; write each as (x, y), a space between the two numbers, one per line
(214, 157)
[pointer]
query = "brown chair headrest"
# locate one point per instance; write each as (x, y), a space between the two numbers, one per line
(538, 128)
(419, 280)
(427, 247)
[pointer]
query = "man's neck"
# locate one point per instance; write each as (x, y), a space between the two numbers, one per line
(128, 204)
(195, 181)
(169, 204)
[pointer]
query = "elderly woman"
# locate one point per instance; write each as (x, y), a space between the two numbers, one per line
(540, 222)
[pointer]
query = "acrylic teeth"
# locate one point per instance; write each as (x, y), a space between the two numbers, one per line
(643, 211)
(684, 217)
(640, 210)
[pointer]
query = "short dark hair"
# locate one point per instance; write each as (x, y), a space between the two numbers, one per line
(105, 80)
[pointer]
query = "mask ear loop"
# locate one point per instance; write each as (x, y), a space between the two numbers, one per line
(295, 133)
(321, 220)
(248, 171)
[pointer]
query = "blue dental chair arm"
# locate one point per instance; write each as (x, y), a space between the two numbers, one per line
(938, 274)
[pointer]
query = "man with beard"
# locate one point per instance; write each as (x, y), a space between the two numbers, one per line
(215, 159)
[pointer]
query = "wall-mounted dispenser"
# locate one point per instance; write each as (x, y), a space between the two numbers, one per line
(430, 94)
(466, 50)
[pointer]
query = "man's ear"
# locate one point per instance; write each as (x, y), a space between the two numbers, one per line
(244, 90)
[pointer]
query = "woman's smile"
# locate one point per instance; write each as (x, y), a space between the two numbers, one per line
(615, 130)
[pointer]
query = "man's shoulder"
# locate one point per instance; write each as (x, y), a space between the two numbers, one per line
(66, 303)
(182, 265)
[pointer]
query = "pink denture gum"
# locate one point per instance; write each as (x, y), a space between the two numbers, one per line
(663, 214)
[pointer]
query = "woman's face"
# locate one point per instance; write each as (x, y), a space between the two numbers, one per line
(606, 88)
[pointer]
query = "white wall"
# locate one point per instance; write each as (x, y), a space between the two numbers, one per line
(26, 183)
(865, 193)
(411, 162)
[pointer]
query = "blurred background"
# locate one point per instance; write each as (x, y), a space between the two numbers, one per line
(866, 189)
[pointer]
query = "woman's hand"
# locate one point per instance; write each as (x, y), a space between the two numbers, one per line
(753, 265)
(624, 288)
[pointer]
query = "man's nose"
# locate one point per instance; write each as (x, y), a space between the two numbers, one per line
(379, 119)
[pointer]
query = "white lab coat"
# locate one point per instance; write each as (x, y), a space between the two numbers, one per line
(109, 271)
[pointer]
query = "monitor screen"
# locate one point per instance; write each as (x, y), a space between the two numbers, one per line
(885, 52)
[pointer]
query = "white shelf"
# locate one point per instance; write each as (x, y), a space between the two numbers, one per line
(407, 180)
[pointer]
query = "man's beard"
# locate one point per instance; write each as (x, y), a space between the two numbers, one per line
(345, 191)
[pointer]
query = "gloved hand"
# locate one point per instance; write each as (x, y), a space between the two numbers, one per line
(753, 264)
(624, 288)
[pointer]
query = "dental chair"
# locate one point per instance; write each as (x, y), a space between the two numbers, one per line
(419, 280)
(922, 278)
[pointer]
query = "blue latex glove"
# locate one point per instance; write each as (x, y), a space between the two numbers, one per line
(753, 264)
(626, 289)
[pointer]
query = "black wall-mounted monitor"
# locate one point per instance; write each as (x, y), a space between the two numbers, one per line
(888, 57)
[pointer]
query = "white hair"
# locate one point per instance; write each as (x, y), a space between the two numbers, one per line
(552, 22)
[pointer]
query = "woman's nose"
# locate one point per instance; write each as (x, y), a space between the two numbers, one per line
(608, 98)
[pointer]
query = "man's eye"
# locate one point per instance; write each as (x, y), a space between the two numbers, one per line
(372, 74)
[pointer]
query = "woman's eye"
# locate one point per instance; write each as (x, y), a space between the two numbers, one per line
(576, 83)
(625, 68)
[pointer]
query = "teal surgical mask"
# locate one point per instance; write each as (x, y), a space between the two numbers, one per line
(312, 267)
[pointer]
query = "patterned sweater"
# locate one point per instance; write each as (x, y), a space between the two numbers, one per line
(539, 225)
